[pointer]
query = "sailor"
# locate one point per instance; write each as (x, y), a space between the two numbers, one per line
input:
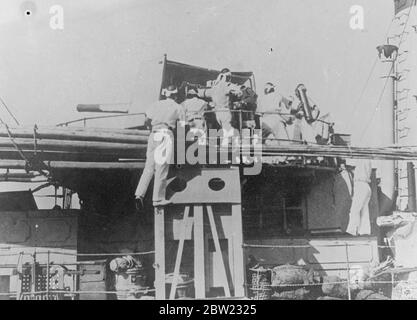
(276, 111)
(220, 94)
(194, 109)
(304, 122)
(122, 264)
(359, 221)
(163, 117)
(248, 104)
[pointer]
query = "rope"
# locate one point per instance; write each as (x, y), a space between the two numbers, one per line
(245, 245)
(22, 155)
(97, 254)
(377, 105)
(9, 111)
(88, 292)
(369, 77)
(29, 163)
(252, 287)
(271, 246)
(78, 254)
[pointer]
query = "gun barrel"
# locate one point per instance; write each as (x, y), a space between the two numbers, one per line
(301, 92)
(111, 108)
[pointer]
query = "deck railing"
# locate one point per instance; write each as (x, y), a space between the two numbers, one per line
(75, 293)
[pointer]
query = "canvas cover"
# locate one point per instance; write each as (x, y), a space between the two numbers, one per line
(175, 73)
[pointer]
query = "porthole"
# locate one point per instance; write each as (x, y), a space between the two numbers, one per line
(216, 184)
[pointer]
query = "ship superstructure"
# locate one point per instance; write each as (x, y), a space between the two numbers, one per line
(225, 233)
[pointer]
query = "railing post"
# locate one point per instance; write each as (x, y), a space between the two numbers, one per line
(240, 135)
(348, 271)
(20, 276)
(260, 125)
(159, 225)
(47, 274)
(33, 284)
(240, 121)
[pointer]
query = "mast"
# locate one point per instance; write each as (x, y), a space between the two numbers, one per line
(404, 36)
(386, 126)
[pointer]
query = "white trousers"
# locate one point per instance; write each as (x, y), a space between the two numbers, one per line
(303, 131)
(359, 221)
(156, 169)
(278, 127)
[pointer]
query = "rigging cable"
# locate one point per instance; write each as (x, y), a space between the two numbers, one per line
(22, 155)
(20, 151)
(9, 111)
(388, 77)
(369, 77)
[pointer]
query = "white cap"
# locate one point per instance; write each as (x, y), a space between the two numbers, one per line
(167, 92)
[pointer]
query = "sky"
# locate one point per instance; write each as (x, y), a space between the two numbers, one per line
(108, 52)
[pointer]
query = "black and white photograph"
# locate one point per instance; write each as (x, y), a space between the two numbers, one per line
(218, 151)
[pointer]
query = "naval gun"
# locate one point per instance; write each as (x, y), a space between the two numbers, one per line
(310, 112)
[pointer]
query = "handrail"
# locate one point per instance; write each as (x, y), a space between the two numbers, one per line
(204, 112)
(260, 113)
(63, 124)
(77, 254)
(74, 292)
(151, 290)
(245, 245)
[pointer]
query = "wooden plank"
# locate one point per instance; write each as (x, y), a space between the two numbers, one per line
(130, 136)
(69, 134)
(159, 225)
(383, 153)
(239, 263)
(82, 129)
(96, 165)
(25, 180)
(199, 268)
(70, 145)
(20, 164)
(13, 154)
(91, 154)
(218, 249)
(179, 254)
